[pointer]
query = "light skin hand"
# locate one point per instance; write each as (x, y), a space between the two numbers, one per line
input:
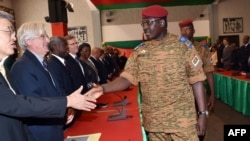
(70, 115)
(69, 119)
(84, 102)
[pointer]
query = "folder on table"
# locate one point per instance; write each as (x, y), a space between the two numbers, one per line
(90, 137)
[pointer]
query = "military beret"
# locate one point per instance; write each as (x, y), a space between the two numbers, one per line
(186, 22)
(156, 11)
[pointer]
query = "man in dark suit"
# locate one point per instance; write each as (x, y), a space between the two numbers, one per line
(57, 65)
(94, 58)
(74, 66)
(14, 107)
(32, 78)
(227, 54)
(59, 70)
(220, 48)
(245, 54)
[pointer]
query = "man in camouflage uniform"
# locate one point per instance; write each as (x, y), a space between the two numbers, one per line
(187, 30)
(168, 69)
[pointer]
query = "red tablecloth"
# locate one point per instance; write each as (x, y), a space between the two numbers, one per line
(97, 121)
(229, 73)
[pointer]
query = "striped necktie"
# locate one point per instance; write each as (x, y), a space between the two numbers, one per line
(45, 66)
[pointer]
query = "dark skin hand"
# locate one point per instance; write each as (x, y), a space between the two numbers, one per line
(198, 89)
(211, 99)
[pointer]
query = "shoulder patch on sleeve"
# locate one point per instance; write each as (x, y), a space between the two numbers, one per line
(138, 46)
(185, 41)
(195, 61)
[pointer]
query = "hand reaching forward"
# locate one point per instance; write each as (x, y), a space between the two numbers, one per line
(84, 102)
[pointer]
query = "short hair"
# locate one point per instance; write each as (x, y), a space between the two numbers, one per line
(29, 30)
(5, 15)
(54, 41)
(69, 37)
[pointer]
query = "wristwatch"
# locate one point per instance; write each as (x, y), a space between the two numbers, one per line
(203, 113)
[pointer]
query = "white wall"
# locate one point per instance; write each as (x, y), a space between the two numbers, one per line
(6, 3)
(84, 15)
(231, 9)
(126, 23)
(112, 33)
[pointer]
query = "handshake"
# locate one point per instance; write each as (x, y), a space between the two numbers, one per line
(85, 101)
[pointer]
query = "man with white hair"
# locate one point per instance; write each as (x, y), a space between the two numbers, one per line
(14, 107)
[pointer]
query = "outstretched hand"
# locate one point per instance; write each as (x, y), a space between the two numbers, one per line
(86, 101)
(97, 93)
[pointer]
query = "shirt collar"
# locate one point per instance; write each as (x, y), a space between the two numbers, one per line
(2, 61)
(40, 59)
(59, 58)
(72, 55)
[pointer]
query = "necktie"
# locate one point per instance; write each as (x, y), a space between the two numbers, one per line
(2, 70)
(80, 66)
(65, 63)
(45, 66)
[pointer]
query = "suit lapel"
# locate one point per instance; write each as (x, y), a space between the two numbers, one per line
(3, 81)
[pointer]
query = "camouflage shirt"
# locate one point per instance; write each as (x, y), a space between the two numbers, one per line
(206, 57)
(165, 69)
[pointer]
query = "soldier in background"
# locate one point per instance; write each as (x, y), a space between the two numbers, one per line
(187, 30)
(170, 72)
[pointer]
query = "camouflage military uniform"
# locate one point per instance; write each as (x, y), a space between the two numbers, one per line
(206, 58)
(165, 69)
(205, 55)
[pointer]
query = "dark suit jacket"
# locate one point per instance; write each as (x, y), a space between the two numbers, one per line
(113, 67)
(102, 75)
(219, 55)
(227, 57)
(76, 74)
(61, 75)
(14, 107)
(244, 56)
(31, 79)
(90, 74)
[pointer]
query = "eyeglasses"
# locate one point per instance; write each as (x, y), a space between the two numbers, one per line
(42, 36)
(10, 30)
(149, 22)
(75, 43)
